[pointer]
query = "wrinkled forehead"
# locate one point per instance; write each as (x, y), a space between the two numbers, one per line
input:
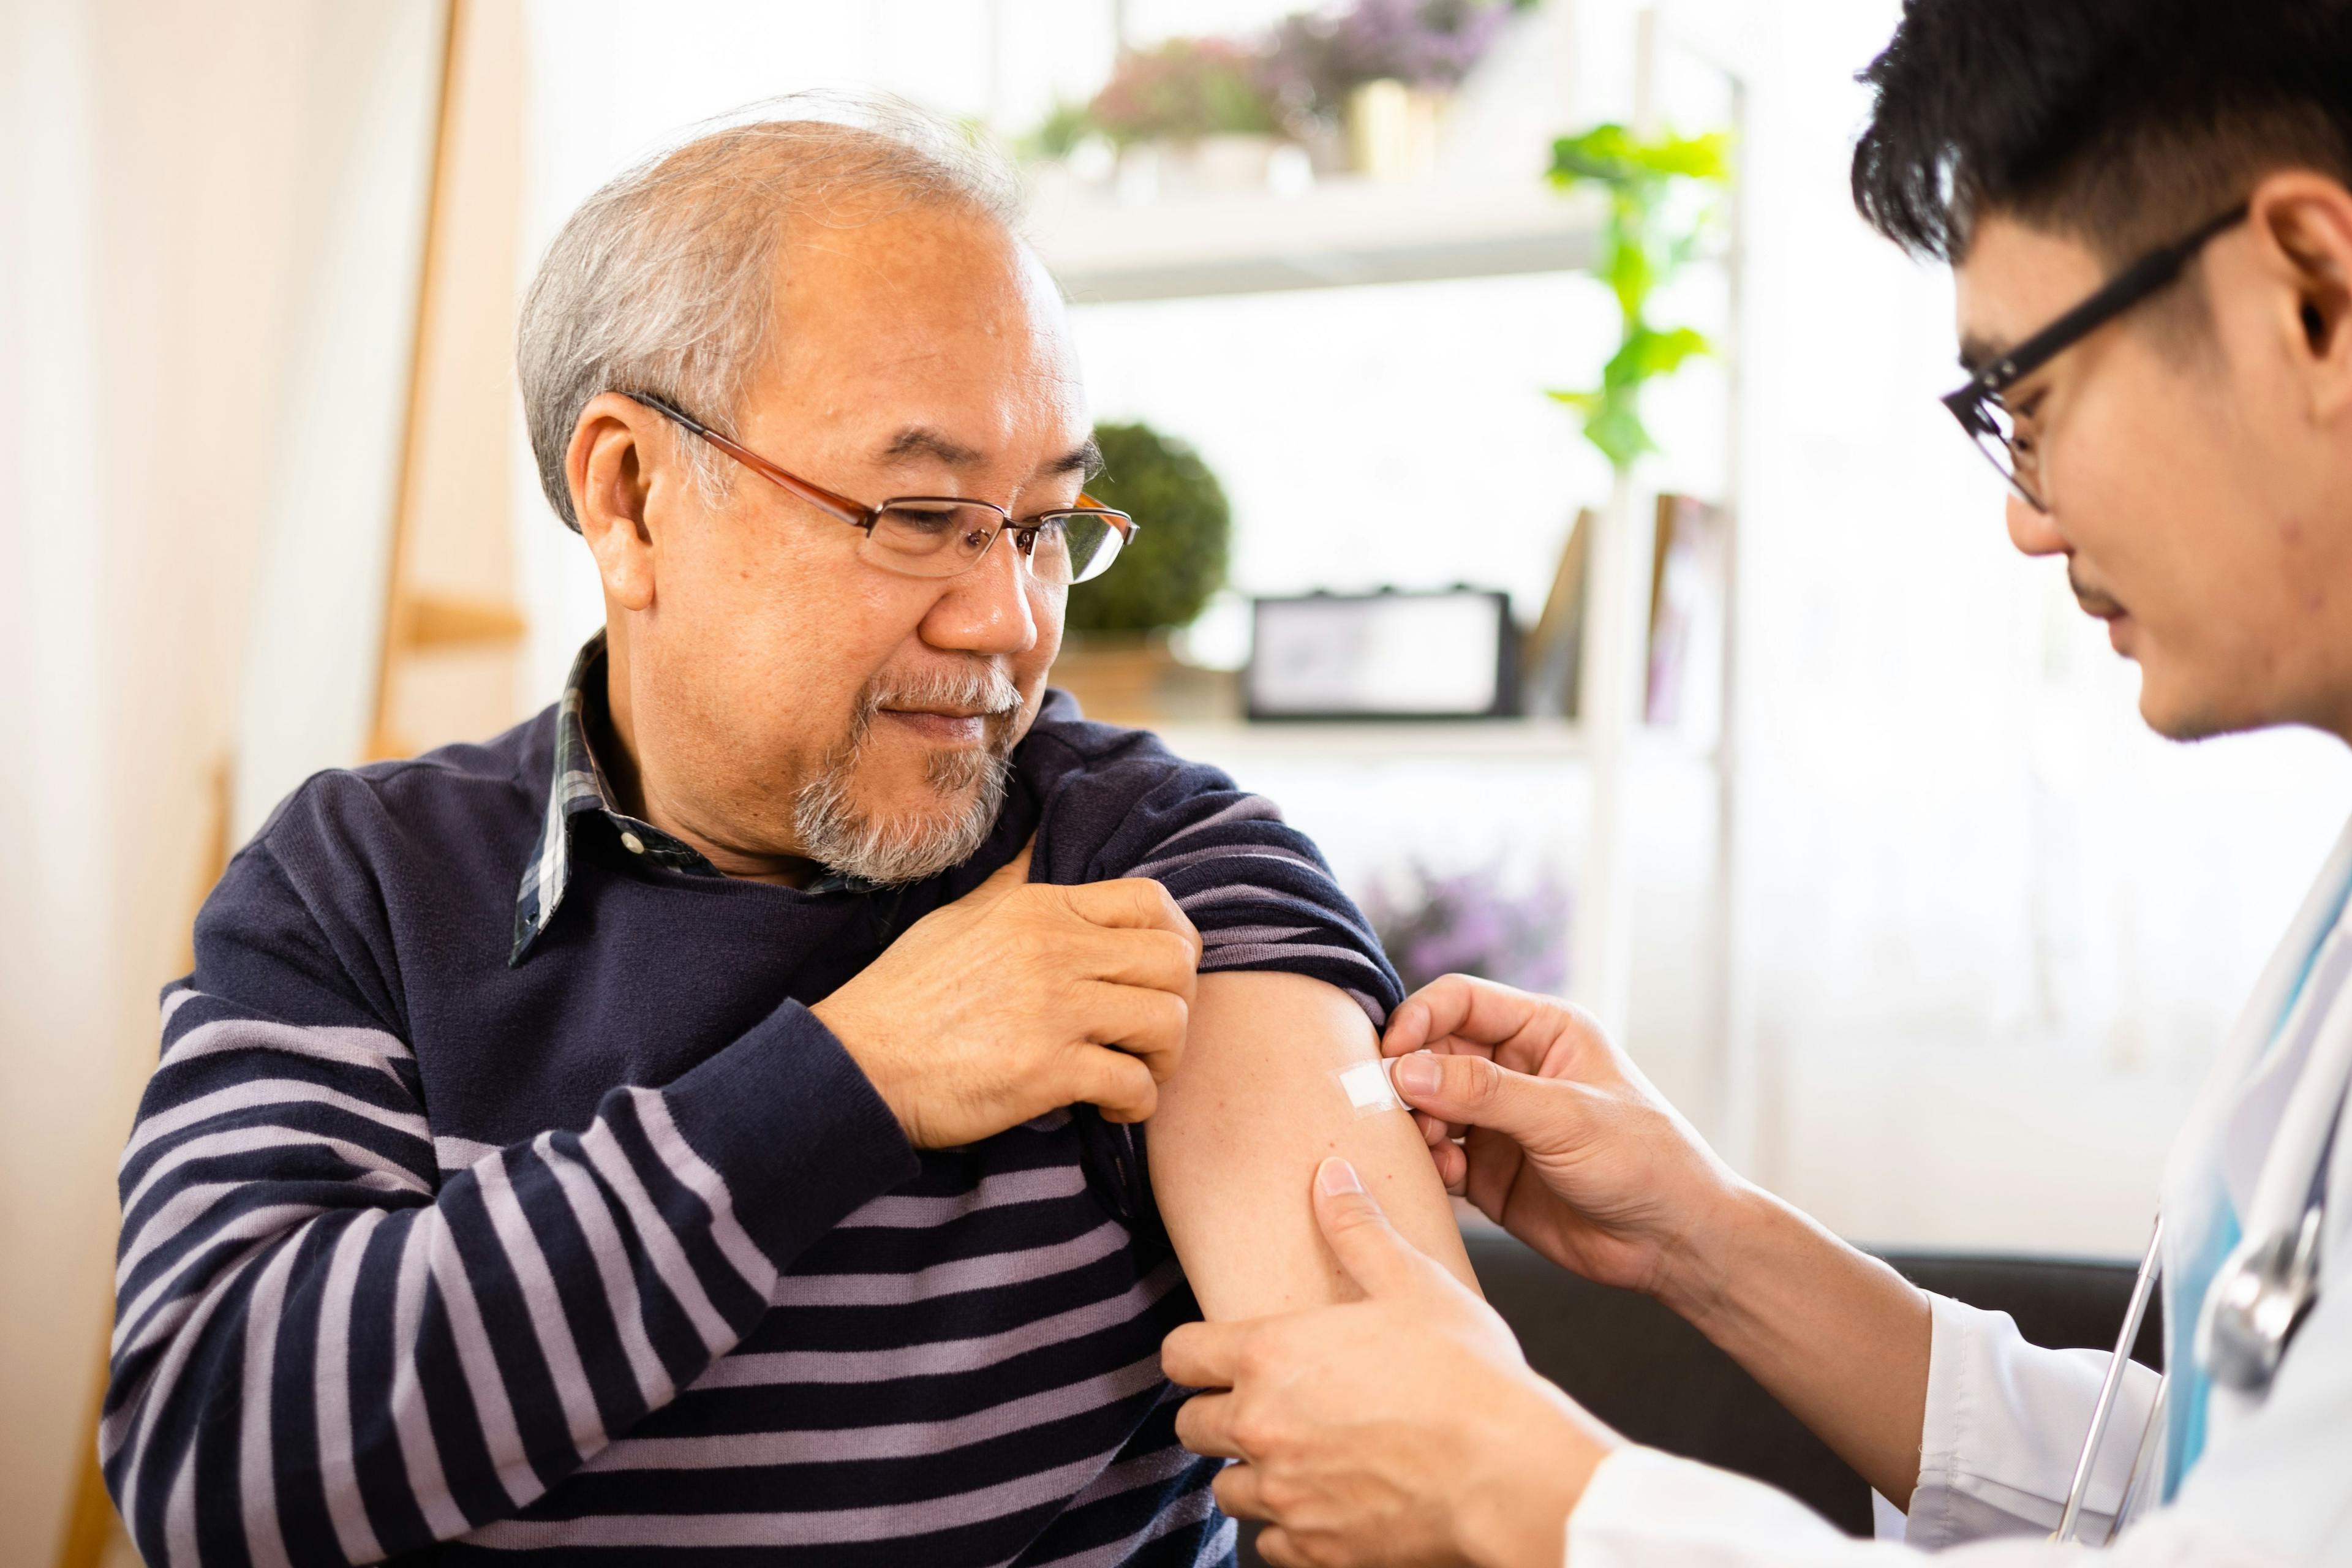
(915, 296)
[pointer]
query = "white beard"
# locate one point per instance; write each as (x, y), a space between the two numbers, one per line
(840, 835)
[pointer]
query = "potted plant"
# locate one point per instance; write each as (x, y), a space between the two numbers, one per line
(1195, 109)
(1380, 74)
(1116, 657)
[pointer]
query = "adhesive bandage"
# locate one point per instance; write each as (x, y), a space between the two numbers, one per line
(1368, 1088)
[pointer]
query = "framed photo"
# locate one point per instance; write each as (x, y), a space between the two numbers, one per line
(1452, 654)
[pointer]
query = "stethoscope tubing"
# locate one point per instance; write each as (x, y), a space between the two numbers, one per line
(2143, 1289)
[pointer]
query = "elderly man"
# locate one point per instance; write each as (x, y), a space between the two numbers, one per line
(706, 1120)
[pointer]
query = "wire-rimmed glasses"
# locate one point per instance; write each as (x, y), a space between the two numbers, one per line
(944, 536)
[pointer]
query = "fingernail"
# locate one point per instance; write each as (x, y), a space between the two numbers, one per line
(1336, 1177)
(1419, 1072)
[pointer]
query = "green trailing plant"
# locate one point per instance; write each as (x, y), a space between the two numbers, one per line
(1182, 539)
(1649, 238)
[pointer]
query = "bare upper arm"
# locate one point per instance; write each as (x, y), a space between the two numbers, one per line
(1249, 1113)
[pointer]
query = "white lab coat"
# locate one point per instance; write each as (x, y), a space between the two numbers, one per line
(2005, 1419)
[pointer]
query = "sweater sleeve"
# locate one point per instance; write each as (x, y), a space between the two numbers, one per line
(326, 1351)
(1260, 892)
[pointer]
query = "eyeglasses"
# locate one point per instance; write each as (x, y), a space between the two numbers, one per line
(1979, 405)
(945, 536)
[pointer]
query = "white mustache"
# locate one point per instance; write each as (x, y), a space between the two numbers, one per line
(985, 690)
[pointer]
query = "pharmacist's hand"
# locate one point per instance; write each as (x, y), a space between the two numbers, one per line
(1563, 1143)
(1021, 998)
(1401, 1429)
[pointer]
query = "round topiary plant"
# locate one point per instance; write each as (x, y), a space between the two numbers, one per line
(1182, 537)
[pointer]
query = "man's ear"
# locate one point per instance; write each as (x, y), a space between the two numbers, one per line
(2303, 225)
(615, 447)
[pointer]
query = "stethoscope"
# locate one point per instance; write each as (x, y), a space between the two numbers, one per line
(2264, 1290)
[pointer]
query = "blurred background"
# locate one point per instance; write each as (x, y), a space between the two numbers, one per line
(1543, 330)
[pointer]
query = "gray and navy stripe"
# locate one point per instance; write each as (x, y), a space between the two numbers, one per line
(612, 1253)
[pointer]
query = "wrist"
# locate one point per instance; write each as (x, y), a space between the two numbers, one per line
(857, 1043)
(1698, 1267)
(1519, 1518)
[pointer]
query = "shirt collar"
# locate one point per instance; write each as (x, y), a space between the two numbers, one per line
(578, 794)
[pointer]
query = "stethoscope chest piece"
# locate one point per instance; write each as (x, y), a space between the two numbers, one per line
(2257, 1302)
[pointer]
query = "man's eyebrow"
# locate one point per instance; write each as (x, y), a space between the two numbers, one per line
(1975, 352)
(1086, 460)
(917, 441)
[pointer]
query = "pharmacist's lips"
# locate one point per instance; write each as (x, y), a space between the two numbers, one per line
(2096, 603)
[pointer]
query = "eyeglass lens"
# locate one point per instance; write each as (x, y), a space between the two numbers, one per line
(940, 539)
(1994, 430)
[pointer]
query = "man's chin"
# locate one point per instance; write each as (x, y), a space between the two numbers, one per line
(886, 825)
(2180, 716)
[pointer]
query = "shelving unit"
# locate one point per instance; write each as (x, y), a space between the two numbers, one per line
(1466, 221)
(1337, 232)
(1511, 739)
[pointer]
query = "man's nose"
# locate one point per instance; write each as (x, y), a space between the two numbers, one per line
(987, 610)
(2032, 530)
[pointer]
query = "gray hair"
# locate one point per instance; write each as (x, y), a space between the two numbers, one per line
(664, 281)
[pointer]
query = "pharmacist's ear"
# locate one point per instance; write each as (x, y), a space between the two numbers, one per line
(618, 446)
(2302, 225)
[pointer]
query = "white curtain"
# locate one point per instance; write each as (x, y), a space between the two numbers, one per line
(176, 327)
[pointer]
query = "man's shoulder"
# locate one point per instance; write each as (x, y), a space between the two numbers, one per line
(1119, 803)
(1065, 742)
(1112, 797)
(442, 802)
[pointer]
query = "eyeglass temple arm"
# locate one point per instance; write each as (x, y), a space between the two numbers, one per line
(2129, 289)
(818, 496)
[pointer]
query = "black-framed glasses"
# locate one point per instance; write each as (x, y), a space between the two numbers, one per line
(1980, 406)
(943, 536)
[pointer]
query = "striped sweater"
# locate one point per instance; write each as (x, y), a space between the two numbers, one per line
(444, 1238)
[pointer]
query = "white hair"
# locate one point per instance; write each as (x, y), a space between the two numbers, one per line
(664, 281)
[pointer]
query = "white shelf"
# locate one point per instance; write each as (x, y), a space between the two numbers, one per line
(1338, 232)
(1387, 740)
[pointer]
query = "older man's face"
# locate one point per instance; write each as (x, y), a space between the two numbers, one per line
(801, 699)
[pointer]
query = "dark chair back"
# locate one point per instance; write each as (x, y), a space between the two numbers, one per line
(1658, 1381)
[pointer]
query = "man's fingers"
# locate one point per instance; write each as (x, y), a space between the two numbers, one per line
(1204, 1424)
(1276, 1550)
(1134, 903)
(1150, 1026)
(1203, 1355)
(1121, 1085)
(1239, 1492)
(1473, 1091)
(1162, 960)
(1368, 1247)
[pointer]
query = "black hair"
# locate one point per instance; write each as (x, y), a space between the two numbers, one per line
(2123, 122)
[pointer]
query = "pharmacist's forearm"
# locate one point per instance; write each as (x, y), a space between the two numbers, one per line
(1835, 1334)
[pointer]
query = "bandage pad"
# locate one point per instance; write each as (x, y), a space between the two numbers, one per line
(1368, 1088)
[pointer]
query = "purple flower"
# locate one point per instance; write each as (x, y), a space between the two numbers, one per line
(1316, 60)
(1466, 925)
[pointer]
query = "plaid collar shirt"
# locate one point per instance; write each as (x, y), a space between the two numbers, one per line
(578, 788)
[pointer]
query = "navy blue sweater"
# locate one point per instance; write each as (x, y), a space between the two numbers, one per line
(610, 1251)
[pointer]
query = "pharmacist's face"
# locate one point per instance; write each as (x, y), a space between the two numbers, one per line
(2199, 505)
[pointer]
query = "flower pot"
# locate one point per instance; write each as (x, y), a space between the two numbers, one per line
(1392, 130)
(1135, 679)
